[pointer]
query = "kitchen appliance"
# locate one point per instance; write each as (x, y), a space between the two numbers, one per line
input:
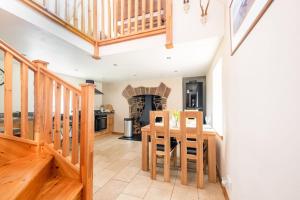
(100, 120)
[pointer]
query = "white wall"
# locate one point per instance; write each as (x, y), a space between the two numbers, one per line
(260, 150)
(113, 95)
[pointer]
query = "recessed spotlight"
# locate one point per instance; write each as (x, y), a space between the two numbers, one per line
(76, 70)
(134, 74)
(115, 65)
(168, 57)
(175, 71)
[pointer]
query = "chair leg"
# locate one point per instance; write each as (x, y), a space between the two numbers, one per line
(167, 167)
(183, 161)
(174, 156)
(199, 163)
(153, 160)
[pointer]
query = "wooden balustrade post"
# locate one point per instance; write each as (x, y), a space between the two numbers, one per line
(39, 107)
(87, 140)
(8, 118)
(95, 29)
(169, 24)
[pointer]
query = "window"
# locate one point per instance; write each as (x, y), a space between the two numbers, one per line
(217, 111)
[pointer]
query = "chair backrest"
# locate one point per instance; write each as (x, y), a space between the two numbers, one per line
(160, 129)
(195, 130)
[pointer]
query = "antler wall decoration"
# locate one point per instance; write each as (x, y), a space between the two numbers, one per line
(186, 5)
(204, 4)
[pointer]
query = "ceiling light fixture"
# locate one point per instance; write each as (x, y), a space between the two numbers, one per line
(115, 65)
(168, 57)
(76, 70)
(175, 71)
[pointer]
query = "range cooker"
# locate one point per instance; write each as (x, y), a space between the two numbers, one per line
(100, 120)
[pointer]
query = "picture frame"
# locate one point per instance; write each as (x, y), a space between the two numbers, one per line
(243, 16)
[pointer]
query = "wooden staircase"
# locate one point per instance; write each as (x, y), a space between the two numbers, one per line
(34, 176)
(46, 165)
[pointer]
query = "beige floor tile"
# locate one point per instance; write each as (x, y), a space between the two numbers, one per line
(211, 191)
(118, 165)
(102, 177)
(118, 175)
(138, 186)
(184, 192)
(159, 193)
(127, 174)
(110, 191)
(127, 197)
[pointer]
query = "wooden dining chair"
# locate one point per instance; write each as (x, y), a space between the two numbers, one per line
(192, 145)
(161, 143)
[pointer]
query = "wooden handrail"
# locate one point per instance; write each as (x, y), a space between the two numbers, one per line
(5, 47)
(116, 21)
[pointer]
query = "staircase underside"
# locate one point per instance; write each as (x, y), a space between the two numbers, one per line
(26, 173)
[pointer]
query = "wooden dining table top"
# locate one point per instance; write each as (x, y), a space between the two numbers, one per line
(207, 130)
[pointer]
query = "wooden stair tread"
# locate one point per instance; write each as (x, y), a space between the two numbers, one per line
(16, 175)
(58, 188)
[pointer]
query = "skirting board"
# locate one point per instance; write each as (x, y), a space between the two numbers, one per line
(223, 188)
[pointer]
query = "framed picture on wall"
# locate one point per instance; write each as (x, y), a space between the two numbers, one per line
(244, 14)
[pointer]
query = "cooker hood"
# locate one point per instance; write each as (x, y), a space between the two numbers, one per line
(97, 92)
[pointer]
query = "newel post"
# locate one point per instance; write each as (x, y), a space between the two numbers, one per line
(87, 140)
(169, 24)
(38, 100)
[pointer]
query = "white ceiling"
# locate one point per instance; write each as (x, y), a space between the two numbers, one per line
(187, 59)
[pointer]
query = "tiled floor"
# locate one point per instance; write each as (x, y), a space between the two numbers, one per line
(118, 176)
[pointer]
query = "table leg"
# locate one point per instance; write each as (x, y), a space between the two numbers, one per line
(145, 151)
(212, 160)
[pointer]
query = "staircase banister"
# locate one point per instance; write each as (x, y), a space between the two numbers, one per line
(56, 78)
(5, 47)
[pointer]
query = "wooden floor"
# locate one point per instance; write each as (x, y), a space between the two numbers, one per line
(118, 176)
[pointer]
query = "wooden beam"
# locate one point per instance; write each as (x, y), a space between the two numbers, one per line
(66, 124)
(169, 24)
(39, 94)
(122, 17)
(75, 123)
(82, 28)
(48, 122)
(129, 16)
(87, 140)
(102, 20)
(57, 118)
(24, 101)
(75, 14)
(143, 14)
(158, 13)
(136, 11)
(115, 18)
(96, 52)
(8, 118)
(90, 31)
(151, 14)
(95, 20)
(109, 18)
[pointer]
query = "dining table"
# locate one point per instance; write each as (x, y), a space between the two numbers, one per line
(209, 134)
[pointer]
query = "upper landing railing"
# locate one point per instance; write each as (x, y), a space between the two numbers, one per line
(104, 22)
